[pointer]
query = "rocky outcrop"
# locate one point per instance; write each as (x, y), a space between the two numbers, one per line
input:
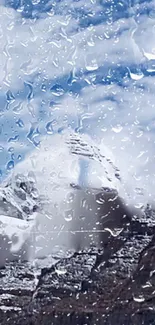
(114, 286)
(19, 198)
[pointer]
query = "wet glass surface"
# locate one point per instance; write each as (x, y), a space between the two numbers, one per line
(77, 141)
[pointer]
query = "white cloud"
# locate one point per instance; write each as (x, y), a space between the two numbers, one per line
(47, 47)
(51, 47)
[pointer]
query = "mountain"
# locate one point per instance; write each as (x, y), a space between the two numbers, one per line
(67, 193)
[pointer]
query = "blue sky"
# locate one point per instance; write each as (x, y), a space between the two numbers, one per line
(85, 64)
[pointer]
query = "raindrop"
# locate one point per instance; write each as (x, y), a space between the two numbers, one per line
(114, 232)
(106, 35)
(18, 108)
(33, 133)
(117, 129)
(14, 139)
(57, 90)
(9, 96)
(30, 94)
(69, 215)
(84, 203)
(71, 78)
(13, 156)
(150, 70)
(43, 87)
(91, 42)
(1, 173)
(51, 12)
(136, 76)
(82, 218)
(139, 190)
(139, 299)
(138, 205)
(152, 273)
(61, 129)
(35, 2)
(10, 165)
(11, 149)
(104, 129)
(60, 271)
(100, 201)
(149, 56)
(147, 285)
(20, 123)
(70, 198)
(31, 109)
(92, 67)
(49, 127)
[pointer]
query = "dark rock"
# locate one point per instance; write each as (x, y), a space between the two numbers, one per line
(73, 291)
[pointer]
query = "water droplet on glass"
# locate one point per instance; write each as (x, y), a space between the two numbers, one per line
(138, 205)
(1, 148)
(51, 12)
(91, 42)
(139, 299)
(10, 165)
(152, 273)
(136, 76)
(84, 203)
(13, 156)
(14, 139)
(69, 215)
(139, 190)
(33, 133)
(72, 78)
(100, 201)
(9, 96)
(114, 232)
(82, 218)
(18, 108)
(11, 149)
(20, 123)
(61, 129)
(30, 94)
(117, 128)
(150, 70)
(35, 2)
(70, 198)
(43, 87)
(57, 90)
(60, 271)
(149, 56)
(92, 66)
(49, 127)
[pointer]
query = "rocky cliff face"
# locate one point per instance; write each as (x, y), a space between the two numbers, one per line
(113, 286)
(19, 198)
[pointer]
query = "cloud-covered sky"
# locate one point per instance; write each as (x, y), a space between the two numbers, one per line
(85, 64)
